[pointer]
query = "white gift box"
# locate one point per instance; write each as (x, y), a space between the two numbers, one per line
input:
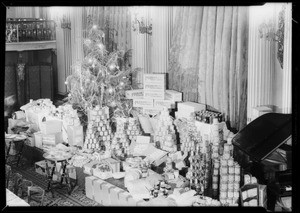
(89, 186)
(75, 135)
(154, 94)
(115, 164)
(190, 107)
(52, 139)
(134, 94)
(38, 139)
(154, 86)
(88, 168)
(160, 104)
(151, 110)
(259, 111)
(142, 103)
(173, 95)
(51, 126)
(154, 78)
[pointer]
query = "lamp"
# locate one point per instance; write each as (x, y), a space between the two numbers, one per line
(141, 26)
(268, 31)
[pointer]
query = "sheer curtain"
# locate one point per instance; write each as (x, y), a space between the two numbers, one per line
(209, 49)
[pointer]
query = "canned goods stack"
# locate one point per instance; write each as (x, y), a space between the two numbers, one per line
(197, 173)
(190, 138)
(161, 188)
(229, 180)
(165, 132)
(207, 116)
(133, 129)
(120, 142)
(98, 129)
(215, 175)
(215, 139)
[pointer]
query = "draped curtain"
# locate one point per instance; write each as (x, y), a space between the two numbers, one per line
(209, 49)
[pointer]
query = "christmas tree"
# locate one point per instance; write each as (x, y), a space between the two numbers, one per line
(101, 78)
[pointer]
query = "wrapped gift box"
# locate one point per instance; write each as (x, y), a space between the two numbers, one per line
(190, 107)
(38, 139)
(58, 171)
(142, 103)
(52, 139)
(125, 199)
(90, 186)
(40, 167)
(159, 104)
(154, 94)
(51, 127)
(88, 168)
(75, 135)
(115, 164)
(101, 190)
(173, 95)
(154, 78)
(151, 110)
(154, 86)
(36, 117)
(134, 94)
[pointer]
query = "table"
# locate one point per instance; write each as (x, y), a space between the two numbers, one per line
(14, 200)
(15, 138)
(64, 176)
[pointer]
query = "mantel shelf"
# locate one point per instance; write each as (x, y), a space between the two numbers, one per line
(34, 45)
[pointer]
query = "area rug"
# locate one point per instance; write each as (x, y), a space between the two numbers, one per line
(61, 197)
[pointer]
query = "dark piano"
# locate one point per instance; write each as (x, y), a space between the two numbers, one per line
(264, 148)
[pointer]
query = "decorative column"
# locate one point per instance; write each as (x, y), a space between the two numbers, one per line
(261, 58)
(287, 61)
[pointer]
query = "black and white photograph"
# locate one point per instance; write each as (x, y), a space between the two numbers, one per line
(149, 105)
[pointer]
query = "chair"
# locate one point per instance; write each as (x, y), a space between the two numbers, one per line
(7, 174)
(17, 182)
(24, 188)
(36, 194)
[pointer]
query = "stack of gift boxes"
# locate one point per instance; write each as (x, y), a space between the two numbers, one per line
(120, 142)
(164, 133)
(98, 132)
(154, 96)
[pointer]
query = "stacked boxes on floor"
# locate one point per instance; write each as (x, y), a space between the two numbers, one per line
(107, 194)
(154, 96)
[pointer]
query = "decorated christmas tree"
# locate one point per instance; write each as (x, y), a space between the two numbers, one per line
(101, 78)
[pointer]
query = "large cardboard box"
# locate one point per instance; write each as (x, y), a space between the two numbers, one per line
(154, 78)
(142, 103)
(134, 94)
(173, 95)
(52, 139)
(101, 191)
(151, 110)
(154, 94)
(190, 107)
(126, 199)
(160, 104)
(89, 186)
